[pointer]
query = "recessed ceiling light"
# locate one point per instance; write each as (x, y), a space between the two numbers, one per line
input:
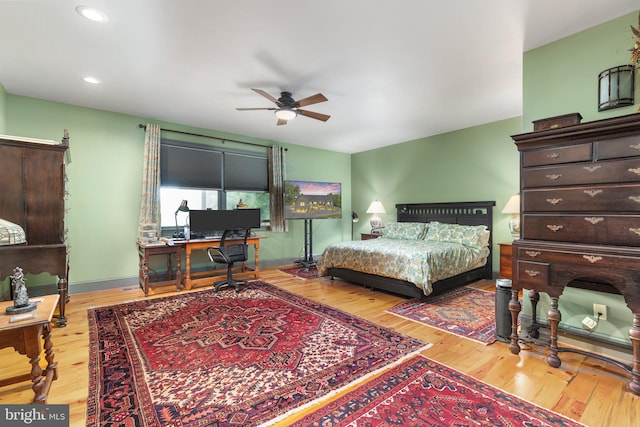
(91, 80)
(92, 14)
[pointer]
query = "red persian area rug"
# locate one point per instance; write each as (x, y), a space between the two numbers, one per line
(467, 312)
(422, 392)
(226, 359)
(302, 272)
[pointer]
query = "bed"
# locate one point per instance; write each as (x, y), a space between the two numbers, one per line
(377, 263)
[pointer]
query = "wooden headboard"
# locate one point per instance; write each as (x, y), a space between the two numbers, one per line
(465, 213)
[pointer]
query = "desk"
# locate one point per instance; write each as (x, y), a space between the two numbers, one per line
(159, 248)
(203, 244)
(24, 336)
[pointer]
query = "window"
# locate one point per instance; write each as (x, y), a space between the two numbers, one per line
(210, 178)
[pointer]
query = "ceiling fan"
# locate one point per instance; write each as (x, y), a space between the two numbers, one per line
(287, 108)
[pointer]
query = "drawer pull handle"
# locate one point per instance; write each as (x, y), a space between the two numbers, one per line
(594, 219)
(635, 230)
(532, 273)
(555, 228)
(592, 258)
(554, 177)
(553, 155)
(532, 254)
(554, 201)
(635, 198)
(592, 193)
(635, 170)
(592, 168)
(635, 147)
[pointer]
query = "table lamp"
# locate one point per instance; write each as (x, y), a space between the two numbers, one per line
(182, 208)
(513, 208)
(376, 208)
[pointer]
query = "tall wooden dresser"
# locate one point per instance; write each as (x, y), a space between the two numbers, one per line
(580, 221)
(32, 191)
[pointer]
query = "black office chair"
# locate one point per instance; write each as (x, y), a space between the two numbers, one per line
(233, 248)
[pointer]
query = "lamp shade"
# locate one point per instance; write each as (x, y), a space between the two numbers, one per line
(184, 207)
(512, 206)
(376, 208)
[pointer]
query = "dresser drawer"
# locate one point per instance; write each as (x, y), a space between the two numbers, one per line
(584, 256)
(612, 171)
(557, 155)
(613, 198)
(593, 229)
(628, 146)
(532, 274)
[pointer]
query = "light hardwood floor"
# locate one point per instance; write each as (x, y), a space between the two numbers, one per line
(583, 388)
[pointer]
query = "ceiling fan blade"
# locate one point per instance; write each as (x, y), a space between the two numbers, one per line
(313, 115)
(250, 109)
(314, 99)
(281, 122)
(266, 95)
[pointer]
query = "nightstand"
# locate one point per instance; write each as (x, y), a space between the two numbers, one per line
(505, 260)
(368, 236)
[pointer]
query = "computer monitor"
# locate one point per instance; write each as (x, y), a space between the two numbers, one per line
(210, 222)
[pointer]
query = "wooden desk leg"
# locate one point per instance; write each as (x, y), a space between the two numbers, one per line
(169, 267)
(634, 334)
(187, 268)
(178, 270)
(144, 273)
(257, 252)
(514, 308)
(554, 316)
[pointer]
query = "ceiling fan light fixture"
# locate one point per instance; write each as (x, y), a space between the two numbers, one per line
(286, 114)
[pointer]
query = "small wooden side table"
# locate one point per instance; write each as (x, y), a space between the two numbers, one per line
(369, 236)
(145, 251)
(505, 260)
(25, 337)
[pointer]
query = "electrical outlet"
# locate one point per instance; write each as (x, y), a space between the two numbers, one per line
(600, 308)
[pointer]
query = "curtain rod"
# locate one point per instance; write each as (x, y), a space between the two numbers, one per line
(223, 140)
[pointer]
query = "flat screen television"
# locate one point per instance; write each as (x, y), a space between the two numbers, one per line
(210, 222)
(312, 200)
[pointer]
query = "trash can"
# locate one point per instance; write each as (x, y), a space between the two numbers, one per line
(503, 315)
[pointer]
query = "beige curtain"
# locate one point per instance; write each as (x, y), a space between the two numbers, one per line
(277, 175)
(150, 203)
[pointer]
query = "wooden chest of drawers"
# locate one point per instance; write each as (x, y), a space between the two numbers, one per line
(580, 219)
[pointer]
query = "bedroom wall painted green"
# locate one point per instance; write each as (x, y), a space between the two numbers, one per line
(3, 109)
(561, 78)
(105, 183)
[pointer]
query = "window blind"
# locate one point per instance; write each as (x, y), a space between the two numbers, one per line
(203, 167)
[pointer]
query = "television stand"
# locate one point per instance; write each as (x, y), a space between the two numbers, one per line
(308, 261)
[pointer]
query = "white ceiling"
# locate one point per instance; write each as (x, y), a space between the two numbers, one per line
(393, 70)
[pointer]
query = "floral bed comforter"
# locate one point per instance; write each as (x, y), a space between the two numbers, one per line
(422, 262)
